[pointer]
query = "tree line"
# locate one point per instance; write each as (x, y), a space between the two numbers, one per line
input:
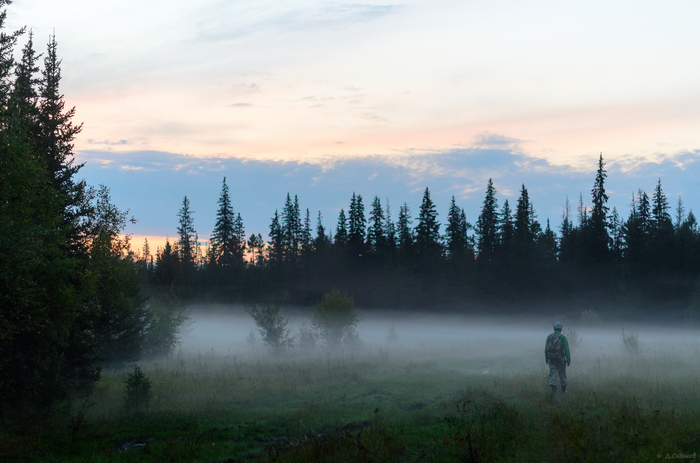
(70, 301)
(505, 257)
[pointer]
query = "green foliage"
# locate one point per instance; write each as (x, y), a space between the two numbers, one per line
(137, 390)
(165, 320)
(335, 318)
(272, 326)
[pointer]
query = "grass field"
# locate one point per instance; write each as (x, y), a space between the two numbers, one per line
(477, 394)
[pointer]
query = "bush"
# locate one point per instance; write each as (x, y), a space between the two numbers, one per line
(335, 318)
(307, 338)
(137, 391)
(251, 339)
(164, 323)
(630, 342)
(590, 317)
(272, 326)
(573, 337)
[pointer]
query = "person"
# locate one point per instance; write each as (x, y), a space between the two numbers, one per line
(558, 357)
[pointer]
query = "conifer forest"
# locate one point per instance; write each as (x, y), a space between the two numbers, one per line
(645, 256)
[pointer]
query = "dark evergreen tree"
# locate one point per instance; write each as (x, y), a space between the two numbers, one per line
(186, 247)
(487, 225)
(455, 232)
(428, 240)
(224, 239)
(57, 132)
(661, 230)
(167, 264)
(596, 237)
(276, 244)
(404, 232)
(255, 245)
(376, 239)
(356, 226)
(341, 232)
(291, 230)
(547, 246)
(567, 244)
(524, 228)
(506, 230)
(389, 232)
(616, 236)
(321, 241)
(636, 230)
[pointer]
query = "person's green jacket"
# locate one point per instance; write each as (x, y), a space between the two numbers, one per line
(564, 344)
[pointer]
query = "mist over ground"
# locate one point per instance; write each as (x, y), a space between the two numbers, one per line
(224, 329)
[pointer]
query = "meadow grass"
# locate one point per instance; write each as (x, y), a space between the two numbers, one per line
(425, 402)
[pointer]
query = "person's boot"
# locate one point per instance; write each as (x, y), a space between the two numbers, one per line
(563, 389)
(554, 388)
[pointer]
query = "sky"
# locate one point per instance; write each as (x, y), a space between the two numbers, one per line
(323, 99)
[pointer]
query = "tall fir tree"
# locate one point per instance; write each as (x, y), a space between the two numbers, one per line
(341, 231)
(376, 240)
(291, 229)
(428, 239)
(356, 226)
(457, 241)
(389, 231)
(487, 225)
(596, 228)
(276, 243)
(404, 231)
(224, 239)
(186, 246)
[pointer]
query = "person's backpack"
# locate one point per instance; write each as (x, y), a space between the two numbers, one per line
(555, 350)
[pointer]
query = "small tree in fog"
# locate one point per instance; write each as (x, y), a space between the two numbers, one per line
(251, 339)
(392, 336)
(307, 338)
(272, 326)
(335, 318)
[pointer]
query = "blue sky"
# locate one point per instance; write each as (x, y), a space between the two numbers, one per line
(323, 98)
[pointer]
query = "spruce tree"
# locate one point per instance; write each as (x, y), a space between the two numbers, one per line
(457, 240)
(276, 243)
(487, 225)
(186, 245)
(596, 229)
(428, 240)
(321, 241)
(291, 229)
(566, 241)
(506, 229)
(404, 231)
(224, 239)
(389, 231)
(662, 233)
(356, 226)
(341, 232)
(376, 240)
(524, 227)
(57, 131)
